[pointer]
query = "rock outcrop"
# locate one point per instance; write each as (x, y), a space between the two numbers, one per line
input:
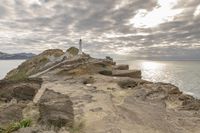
(19, 90)
(86, 95)
(127, 73)
(56, 110)
(36, 64)
(10, 113)
(121, 67)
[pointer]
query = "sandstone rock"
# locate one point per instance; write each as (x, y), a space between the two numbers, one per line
(121, 67)
(29, 130)
(20, 90)
(55, 109)
(148, 108)
(31, 111)
(127, 73)
(37, 130)
(35, 64)
(106, 72)
(11, 113)
(127, 83)
(189, 103)
(24, 92)
(89, 80)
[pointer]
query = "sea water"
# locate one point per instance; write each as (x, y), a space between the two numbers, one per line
(183, 74)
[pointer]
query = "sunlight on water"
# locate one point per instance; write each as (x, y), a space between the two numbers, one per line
(184, 74)
(151, 65)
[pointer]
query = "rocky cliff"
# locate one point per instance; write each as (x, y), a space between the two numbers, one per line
(80, 94)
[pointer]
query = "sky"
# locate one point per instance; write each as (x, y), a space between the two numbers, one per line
(123, 29)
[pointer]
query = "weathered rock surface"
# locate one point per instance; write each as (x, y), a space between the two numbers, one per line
(127, 73)
(29, 130)
(87, 95)
(11, 113)
(37, 130)
(126, 83)
(19, 90)
(36, 64)
(56, 109)
(121, 67)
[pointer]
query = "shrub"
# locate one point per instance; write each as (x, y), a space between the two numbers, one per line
(16, 126)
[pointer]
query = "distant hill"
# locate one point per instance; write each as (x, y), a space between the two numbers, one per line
(17, 56)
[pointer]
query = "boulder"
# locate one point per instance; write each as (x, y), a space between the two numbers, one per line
(24, 92)
(19, 90)
(55, 109)
(127, 73)
(121, 67)
(11, 113)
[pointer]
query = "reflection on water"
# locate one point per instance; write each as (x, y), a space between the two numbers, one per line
(184, 74)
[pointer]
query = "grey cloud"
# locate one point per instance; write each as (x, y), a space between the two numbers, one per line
(30, 26)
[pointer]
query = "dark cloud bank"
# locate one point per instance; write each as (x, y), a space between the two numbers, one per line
(106, 26)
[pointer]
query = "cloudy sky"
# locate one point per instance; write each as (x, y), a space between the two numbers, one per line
(152, 29)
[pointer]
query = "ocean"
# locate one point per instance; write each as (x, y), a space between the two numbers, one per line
(7, 65)
(184, 74)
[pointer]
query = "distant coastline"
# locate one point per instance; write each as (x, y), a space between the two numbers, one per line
(17, 56)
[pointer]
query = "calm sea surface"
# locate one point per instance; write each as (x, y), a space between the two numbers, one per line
(7, 65)
(184, 74)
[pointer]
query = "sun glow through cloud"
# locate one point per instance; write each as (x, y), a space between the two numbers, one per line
(163, 12)
(197, 11)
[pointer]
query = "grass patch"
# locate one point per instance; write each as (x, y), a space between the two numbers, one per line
(16, 126)
(21, 75)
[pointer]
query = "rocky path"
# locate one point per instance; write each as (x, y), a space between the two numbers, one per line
(106, 108)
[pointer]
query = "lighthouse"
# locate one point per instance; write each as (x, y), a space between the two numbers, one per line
(80, 47)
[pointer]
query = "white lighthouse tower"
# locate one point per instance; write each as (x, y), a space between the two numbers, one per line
(80, 47)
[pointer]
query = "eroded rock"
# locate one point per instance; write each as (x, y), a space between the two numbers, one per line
(89, 80)
(127, 73)
(11, 113)
(121, 67)
(126, 83)
(56, 109)
(20, 90)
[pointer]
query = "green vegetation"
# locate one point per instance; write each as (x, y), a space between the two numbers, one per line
(73, 51)
(18, 76)
(43, 60)
(16, 126)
